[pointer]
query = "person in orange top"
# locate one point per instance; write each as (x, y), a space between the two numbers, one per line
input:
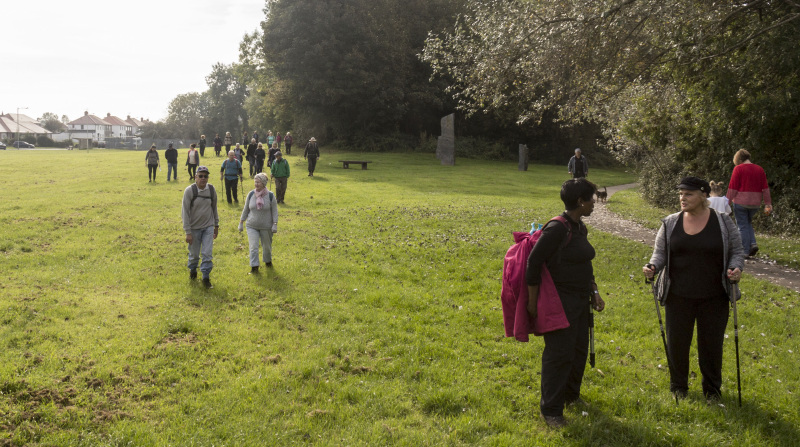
(747, 189)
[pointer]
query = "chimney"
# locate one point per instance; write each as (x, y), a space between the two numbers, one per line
(86, 113)
(108, 115)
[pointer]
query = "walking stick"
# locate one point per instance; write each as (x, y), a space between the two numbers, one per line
(735, 291)
(663, 333)
(591, 334)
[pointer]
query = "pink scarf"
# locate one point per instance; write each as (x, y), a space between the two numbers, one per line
(260, 197)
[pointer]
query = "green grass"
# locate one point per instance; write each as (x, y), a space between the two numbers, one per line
(380, 323)
(785, 250)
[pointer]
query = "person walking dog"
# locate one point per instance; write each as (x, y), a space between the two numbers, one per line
(261, 214)
(201, 224)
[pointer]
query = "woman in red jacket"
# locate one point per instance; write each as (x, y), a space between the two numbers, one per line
(746, 190)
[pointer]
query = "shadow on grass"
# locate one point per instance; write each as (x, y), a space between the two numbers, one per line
(604, 428)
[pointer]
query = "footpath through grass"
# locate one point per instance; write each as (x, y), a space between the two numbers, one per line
(380, 323)
(785, 250)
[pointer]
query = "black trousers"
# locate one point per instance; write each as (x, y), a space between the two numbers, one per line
(231, 187)
(192, 170)
(151, 171)
(288, 149)
(564, 357)
(711, 316)
(312, 164)
(202, 151)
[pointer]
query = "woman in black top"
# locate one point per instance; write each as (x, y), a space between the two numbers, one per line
(700, 252)
(568, 255)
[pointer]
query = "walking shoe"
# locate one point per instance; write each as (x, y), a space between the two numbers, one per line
(253, 270)
(753, 250)
(207, 283)
(555, 421)
(193, 274)
(269, 264)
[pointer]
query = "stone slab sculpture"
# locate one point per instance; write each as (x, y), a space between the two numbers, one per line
(523, 157)
(446, 144)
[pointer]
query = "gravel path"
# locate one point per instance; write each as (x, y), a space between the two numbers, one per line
(606, 221)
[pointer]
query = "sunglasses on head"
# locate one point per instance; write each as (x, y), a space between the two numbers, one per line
(202, 175)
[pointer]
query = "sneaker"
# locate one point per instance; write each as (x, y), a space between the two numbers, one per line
(207, 283)
(555, 421)
(753, 250)
(193, 274)
(253, 270)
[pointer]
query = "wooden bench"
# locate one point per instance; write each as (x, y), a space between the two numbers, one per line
(346, 163)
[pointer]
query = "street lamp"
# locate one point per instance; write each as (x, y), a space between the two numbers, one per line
(18, 139)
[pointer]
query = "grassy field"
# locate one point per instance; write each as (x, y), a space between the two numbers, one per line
(784, 250)
(380, 323)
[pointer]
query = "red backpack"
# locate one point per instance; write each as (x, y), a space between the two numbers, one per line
(514, 295)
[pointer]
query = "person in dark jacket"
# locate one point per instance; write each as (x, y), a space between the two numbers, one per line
(260, 155)
(288, 140)
(255, 136)
(271, 153)
(312, 154)
(171, 155)
(202, 145)
(245, 140)
(251, 156)
(568, 255)
(153, 162)
(578, 166)
(217, 145)
(239, 154)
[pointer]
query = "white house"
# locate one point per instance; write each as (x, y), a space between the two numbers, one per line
(89, 126)
(136, 125)
(119, 127)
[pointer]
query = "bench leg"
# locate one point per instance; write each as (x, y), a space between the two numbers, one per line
(346, 165)
(363, 166)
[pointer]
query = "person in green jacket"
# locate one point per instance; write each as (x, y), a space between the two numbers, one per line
(280, 172)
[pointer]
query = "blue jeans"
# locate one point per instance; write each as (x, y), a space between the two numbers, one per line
(265, 237)
(172, 167)
(744, 220)
(202, 244)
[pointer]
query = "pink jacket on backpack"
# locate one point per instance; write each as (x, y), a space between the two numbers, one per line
(550, 314)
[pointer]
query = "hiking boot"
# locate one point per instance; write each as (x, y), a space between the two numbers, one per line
(207, 283)
(555, 421)
(193, 274)
(253, 270)
(753, 250)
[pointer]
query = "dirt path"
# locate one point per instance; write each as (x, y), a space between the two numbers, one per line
(606, 221)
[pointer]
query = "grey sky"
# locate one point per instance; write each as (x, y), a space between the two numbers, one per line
(123, 58)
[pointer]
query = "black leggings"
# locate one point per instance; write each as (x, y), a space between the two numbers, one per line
(192, 170)
(151, 171)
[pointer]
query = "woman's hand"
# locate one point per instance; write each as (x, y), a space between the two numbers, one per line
(649, 271)
(597, 303)
(734, 275)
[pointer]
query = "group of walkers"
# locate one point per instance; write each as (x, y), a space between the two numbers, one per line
(698, 256)
(277, 141)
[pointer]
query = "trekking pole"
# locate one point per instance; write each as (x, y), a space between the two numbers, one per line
(735, 291)
(661, 325)
(591, 334)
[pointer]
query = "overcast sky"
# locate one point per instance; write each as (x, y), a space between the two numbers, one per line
(123, 58)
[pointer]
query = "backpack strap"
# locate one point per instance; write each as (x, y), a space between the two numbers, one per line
(564, 222)
(194, 195)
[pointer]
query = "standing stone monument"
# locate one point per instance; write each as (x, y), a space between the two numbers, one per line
(523, 157)
(446, 145)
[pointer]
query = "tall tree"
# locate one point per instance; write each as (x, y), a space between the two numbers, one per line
(226, 96)
(186, 114)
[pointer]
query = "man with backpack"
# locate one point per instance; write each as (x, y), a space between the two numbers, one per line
(201, 224)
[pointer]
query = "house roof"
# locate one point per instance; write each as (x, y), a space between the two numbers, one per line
(8, 124)
(135, 122)
(90, 120)
(115, 121)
